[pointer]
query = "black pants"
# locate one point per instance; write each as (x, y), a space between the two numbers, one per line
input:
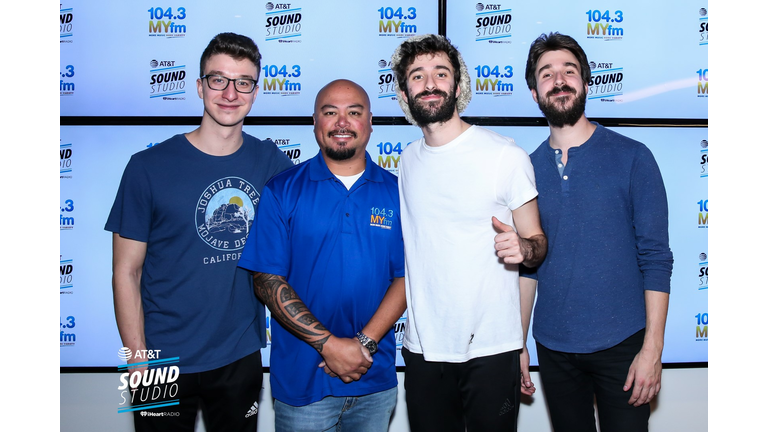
(572, 383)
(482, 394)
(226, 396)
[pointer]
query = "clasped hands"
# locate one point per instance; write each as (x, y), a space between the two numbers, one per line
(345, 358)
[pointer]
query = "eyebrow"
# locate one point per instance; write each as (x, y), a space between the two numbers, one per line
(549, 66)
(331, 106)
(222, 74)
(421, 68)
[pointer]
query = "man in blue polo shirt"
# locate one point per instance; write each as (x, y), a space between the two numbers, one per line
(327, 257)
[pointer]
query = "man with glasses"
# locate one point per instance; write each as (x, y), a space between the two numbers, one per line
(180, 220)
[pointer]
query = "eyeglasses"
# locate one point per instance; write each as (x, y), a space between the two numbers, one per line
(220, 83)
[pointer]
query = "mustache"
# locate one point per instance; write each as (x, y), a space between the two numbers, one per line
(342, 131)
(563, 88)
(437, 92)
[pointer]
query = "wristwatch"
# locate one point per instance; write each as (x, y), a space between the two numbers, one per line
(367, 342)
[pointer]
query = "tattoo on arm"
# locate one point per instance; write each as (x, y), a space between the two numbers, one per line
(289, 310)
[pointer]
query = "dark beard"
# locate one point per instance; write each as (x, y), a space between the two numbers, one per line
(343, 153)
(340, 154)
(425, 115)
(558, 116)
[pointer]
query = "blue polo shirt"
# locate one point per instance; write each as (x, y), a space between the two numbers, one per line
(339, 249)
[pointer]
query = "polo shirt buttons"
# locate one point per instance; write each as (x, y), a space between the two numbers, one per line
(565, 177)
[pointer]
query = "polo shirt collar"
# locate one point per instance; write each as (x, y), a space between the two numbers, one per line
(318, 170)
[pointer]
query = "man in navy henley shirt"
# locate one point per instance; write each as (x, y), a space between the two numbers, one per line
(603, 289)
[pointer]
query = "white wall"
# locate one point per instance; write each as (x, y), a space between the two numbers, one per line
(89, 403)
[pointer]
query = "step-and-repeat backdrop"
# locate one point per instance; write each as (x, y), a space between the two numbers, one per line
(649, 61)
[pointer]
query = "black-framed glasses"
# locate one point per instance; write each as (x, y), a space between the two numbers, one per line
(220, 83)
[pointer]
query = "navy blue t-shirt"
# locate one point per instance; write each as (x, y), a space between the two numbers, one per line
(195, 211)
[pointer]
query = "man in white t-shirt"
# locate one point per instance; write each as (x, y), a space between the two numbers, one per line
(469, 216)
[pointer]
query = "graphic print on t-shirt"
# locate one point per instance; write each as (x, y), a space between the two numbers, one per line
(224, 213)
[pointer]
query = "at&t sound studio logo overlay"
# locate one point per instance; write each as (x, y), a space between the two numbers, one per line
(493, 23)
(167, 22)
(397, 22)
(704, 159)
(154, 387)
(66, 18)
(166, 80)
(283, 23)
(607, 82)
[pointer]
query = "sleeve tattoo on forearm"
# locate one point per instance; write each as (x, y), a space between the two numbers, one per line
(289, 310)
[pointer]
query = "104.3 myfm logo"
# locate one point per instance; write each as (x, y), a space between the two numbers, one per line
(382, 217)
(702, 326)
(605, 25)
(281, 80)
(389, 155)
(66, 221)
(703, 213)
(67, 337)
(702, 89)
(397, 21)
(167, 22)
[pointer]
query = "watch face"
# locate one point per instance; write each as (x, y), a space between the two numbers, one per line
(372, 347)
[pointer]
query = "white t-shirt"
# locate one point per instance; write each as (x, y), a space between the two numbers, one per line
(463, 301)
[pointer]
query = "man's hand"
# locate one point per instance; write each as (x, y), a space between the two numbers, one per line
(645, 374)
(345, 358)
(526, 385)
(508, 243)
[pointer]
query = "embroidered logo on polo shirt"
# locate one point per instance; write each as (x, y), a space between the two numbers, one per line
(382, 217)
(224, 213)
